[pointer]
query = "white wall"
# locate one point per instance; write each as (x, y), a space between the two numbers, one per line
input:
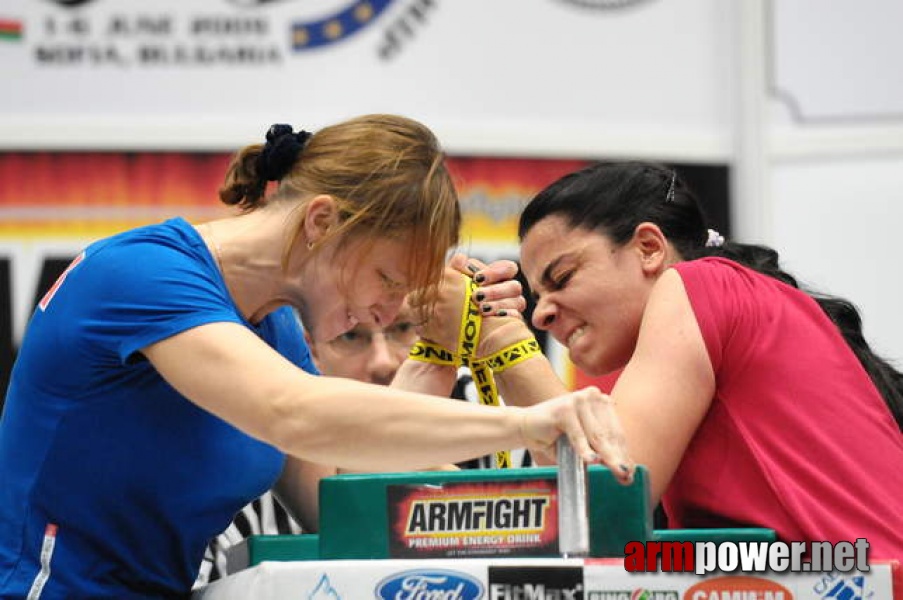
(833, 153)
(837, 224)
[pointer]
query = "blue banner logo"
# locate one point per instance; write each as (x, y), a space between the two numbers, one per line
(427, 583)
(337, 26)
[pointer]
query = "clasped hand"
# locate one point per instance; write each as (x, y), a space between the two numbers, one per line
(587, 417)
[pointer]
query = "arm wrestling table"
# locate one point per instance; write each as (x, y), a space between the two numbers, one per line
(514, 534)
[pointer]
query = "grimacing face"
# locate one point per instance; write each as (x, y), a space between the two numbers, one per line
(590, 294)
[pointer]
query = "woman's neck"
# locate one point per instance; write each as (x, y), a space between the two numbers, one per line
(249, 251)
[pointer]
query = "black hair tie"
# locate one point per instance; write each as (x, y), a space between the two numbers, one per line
(280, 152)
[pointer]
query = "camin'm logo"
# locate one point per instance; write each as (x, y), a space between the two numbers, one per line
(739, 588)
(429, 583)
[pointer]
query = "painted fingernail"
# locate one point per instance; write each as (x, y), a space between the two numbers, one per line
(502, 313)
(480, 296)
(472, 268)
(479, 278)
(624, 468)
(485, 308)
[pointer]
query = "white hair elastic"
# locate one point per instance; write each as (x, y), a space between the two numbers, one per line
(670, 196)
(716, 240)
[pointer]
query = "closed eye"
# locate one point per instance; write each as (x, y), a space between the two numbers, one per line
(561, 280)
(388, 282)
(556, 275)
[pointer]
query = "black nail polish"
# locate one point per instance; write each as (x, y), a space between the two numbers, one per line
(480, 296)
(502, 313)
(485, 308)
(479, 278)
(472, 268)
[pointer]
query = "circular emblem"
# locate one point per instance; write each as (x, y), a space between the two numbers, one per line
(71, 3)
(604, 4)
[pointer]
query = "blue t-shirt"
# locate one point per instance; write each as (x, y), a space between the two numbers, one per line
(116, 477)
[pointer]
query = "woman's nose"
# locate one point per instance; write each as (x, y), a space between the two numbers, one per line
(384, 360)
(543, 314)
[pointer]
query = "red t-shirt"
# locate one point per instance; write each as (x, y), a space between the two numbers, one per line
(797, 439)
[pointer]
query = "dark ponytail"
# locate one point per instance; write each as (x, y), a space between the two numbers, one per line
(615, 197)
(247, 176)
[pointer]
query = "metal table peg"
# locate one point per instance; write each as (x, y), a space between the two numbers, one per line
(573, 518)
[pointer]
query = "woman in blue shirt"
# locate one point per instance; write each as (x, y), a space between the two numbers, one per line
(163, 380)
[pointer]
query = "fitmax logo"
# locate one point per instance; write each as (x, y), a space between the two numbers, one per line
(535, 583)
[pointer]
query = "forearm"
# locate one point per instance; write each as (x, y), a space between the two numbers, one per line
(425, 378)
(527, 382)
(401, 431)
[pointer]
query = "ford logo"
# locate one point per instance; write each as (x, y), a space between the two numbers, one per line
(429, 584)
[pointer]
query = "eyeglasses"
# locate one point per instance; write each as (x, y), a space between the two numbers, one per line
(401, 334)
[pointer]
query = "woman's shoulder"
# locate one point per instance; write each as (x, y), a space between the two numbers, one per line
(722, 275)
(157, 251)
(175, 233)
(710, 264)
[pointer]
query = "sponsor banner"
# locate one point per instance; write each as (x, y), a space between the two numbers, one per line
(517, 518)
(493, 193)
(354, 580)
(607, 581)
(92, 194)
(530, 579)
(200, 74)
(89, 195)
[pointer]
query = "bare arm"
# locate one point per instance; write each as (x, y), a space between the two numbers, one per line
(529, 382)
(426, 378)
(298, 490)
(227, 370)
(660, 398)
(667, 387)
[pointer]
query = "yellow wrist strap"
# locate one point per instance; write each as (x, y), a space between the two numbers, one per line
(471, 321)
(429, 352)
(489, 396)
(511, 355)
(468, 337)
